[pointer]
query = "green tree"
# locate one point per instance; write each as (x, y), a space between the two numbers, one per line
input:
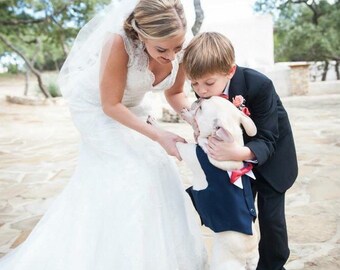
(41, 32)
(305, 30)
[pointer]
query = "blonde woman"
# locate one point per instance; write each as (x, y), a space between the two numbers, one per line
(125, 207)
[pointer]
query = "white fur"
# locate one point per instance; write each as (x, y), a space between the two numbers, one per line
(216, 112)
(219, 117)
(234, 251)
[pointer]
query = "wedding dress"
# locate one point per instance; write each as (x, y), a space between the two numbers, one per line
(125, 207)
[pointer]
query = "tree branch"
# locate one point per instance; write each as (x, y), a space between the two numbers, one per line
(29, 65)
(312, 7)
(199, 17)
(15, 22)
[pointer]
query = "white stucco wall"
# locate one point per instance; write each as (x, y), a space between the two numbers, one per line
(250, 33)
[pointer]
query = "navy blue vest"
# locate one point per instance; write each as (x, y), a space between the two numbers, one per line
(223, 206)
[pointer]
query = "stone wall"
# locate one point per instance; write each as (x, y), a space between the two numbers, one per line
(289, 78)
(299, 78)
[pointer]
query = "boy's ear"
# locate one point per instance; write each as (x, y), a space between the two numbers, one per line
(231, 71)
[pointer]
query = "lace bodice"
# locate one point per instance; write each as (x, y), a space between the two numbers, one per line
(140, 79)
(86, 93)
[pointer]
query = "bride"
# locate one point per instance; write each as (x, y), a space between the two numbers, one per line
(125, 207)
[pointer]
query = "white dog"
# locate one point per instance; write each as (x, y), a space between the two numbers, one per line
(218, 117)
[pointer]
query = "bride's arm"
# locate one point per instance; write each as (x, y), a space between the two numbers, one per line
(112, 85)
(175, 95)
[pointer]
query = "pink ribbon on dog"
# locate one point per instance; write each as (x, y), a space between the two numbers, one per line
(224, 96)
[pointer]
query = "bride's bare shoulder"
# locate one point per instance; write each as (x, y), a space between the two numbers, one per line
(114, 48)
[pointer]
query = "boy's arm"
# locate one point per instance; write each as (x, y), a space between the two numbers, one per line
(175, 96)
(224, 150)
(265, 114)
(262, 102)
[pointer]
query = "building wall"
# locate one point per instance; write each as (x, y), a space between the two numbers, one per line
(250, 33)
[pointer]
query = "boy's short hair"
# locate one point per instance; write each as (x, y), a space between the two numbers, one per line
(208, 53)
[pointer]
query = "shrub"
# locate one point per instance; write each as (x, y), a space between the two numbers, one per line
(53, 89)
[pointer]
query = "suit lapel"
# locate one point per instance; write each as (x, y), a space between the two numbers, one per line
(237, 84)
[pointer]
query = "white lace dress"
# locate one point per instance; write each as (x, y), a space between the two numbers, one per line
(125, 207)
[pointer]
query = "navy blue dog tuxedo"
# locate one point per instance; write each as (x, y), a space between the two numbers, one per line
(223, 206)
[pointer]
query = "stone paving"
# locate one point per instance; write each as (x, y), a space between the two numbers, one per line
(38, 150)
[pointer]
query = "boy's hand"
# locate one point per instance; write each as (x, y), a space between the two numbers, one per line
(228, 150)
(223, 150)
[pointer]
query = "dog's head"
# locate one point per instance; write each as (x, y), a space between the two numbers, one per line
(219, 116)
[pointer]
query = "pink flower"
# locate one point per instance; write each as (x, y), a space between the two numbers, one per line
(238, 101)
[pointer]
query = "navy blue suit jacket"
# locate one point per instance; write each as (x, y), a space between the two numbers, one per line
(273, 144)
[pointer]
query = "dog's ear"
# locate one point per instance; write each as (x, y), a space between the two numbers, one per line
(221, 133)
(225, 135)
(248, 124)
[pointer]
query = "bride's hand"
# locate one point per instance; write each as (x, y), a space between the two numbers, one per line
(168, 141)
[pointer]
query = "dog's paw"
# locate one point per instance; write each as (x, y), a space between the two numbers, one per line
(187, 116)
(196, 130)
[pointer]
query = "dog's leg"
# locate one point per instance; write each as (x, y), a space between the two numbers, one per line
(187, 116)
(253, 257)
(252, 262)
(234, 250)
(187, 152)
(203, 142)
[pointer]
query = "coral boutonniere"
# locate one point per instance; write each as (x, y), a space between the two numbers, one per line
(239, 102)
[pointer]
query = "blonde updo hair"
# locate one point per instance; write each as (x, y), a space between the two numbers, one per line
(156, 19)
(208, 53)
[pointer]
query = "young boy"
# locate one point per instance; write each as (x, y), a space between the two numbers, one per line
(209, 62)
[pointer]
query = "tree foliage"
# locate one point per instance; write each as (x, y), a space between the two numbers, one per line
(44, 29)
(305, 30)
(41, 31)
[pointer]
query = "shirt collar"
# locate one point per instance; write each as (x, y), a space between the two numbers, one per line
(226, 89)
